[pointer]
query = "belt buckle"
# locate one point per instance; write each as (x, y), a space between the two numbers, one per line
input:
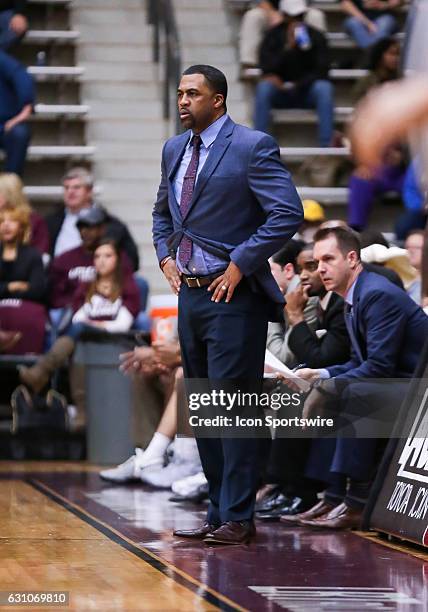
(193, 278)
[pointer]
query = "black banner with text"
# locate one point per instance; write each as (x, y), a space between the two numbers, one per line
(399, 500)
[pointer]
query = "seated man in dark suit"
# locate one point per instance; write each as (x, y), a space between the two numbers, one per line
(299, 467)
(387, 331)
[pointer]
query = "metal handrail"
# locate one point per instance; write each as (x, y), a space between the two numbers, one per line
(166, 49)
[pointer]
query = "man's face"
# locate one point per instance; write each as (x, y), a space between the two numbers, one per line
(282, 274)
(310, 278)
(198, 104)
(334, 268)
(76, 195)
(91, 235)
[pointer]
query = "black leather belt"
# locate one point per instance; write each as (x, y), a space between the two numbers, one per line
(199, 281)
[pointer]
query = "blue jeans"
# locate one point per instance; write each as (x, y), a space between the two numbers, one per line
(7, 36)
(15, 143)
(386, 25)
(318, 95)
(142, 320)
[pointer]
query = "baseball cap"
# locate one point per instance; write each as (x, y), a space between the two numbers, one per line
(91, 216)
(313, 211)
(293, 7)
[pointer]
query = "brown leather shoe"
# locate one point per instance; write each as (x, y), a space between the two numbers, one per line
(322, 507)
(341, 517)
(232, 532)
(8, 339)
(198, 533)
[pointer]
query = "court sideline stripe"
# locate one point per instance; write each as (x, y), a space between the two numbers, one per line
(169, 570)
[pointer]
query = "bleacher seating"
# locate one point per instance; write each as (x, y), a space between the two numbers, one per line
(58, 122)
(296, 130)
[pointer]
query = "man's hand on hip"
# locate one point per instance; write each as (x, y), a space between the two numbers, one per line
(225, 284)
(172, 275)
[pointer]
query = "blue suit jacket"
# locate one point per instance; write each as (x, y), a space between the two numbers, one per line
(244, 206)
(390, 328)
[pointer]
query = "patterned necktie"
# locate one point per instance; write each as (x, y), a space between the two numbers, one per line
(185, 248)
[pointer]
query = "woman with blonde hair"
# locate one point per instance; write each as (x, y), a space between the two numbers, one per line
(12, 196)
(22, 282)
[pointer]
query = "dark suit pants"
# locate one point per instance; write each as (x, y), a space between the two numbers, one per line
(224, 343)
(369, 409)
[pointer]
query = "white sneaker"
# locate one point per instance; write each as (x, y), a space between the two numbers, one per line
(186, 486)
(162, 478)
(132, 468)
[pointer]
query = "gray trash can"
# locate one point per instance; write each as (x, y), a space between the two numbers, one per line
(108, 399)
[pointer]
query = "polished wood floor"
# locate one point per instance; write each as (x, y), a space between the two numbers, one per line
(45, 548)
(111, 547)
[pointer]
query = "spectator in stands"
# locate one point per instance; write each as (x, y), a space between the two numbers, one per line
(16, 105)
(365, 185)
(77, 265)
(22, 282)
(387, 332)
(259, 19)
(108, 304)
(64, 234)
(415, 214)
(414, 245)
(370, 20)
(78, 194)
(294, 62)
(13, 22)
(12, 196)
(254, 25)
(283, 267)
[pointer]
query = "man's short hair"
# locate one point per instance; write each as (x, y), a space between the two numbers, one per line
(78, 172)
(347, 239)
(369, 237)
(214, 77)
(288, 254)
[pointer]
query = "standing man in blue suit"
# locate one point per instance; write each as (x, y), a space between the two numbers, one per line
(225, 204)
(387, 330)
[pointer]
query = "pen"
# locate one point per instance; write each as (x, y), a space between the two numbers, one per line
(300, 365)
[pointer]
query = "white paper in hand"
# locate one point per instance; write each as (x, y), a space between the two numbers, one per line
(273, 364)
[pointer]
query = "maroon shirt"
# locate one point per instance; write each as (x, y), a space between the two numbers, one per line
(39, 233)
(72, 268)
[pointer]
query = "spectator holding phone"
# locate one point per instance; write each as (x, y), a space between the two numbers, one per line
(294, 62)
